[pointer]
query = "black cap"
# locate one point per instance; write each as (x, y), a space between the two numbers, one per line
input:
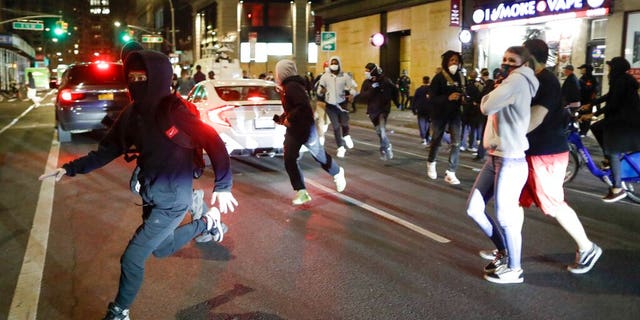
(568, 67)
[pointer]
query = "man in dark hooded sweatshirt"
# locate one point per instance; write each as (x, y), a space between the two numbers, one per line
(298, 118)
(447, 94)
(165, 173)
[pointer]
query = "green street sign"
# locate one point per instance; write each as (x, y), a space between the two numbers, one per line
(28, 25)
(152, 39)
(328, 41)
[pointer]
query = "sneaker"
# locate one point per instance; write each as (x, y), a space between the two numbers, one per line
(488, 254)
(462, 148)
(472, 149)
(614, 196)
(450, 177)
(197, 204)
(348, 141)
(340, 181)
(424, 142)
(386, 154)
(431, 170)
(585, 260)
(341, 151)
(500, 259)
(213, 234)
(214, 225)
(302, 196)
(505, 275)
(116, 313)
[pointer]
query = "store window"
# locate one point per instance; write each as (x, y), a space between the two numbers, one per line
(632, 42)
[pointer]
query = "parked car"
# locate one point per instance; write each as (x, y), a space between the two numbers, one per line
(241, 111)
(90, 97)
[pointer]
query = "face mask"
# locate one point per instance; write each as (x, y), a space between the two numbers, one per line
(367, 75)
(334, 67)
(507, 68)
(453, 69)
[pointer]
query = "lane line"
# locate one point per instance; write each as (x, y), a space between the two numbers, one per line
(24, 304)
(24, 113)
(429, 234)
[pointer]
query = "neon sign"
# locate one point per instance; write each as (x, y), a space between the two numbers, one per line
(535, 9)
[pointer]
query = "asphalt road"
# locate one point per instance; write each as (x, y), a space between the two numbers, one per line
(394, 245)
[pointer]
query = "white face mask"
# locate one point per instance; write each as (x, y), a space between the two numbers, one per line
(453, 69)
(334, 67)
(367, 75)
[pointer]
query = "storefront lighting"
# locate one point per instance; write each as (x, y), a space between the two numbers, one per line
(465, 36)
(377, 39)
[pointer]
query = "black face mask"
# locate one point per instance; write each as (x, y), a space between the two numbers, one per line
(507, 68)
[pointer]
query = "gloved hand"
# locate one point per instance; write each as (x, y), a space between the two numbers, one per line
(58, 174)
(375, 84)
(225, 201)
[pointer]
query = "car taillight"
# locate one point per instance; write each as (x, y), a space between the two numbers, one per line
(256, 99)
(217, 115)
(67, 95)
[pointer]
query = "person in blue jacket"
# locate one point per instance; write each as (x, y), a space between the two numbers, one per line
(164, 170)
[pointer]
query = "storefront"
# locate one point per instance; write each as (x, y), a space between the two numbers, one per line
(575, 30)
(15, 57)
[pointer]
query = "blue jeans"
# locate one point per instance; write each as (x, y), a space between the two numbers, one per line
(380, 123)
(340, 123)
(292, 147)
(159, 235)
(423, 125)
(502, 179)
(437, 129)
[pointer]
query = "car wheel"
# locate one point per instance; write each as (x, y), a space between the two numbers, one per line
(63, 135)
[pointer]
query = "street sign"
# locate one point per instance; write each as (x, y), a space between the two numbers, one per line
(152, 39)
(328, 41)
(28, 25)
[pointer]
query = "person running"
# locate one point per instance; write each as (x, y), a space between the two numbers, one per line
(547, 159)
(505, 171)
(164, 172)
(421, 107)
(336, 86)
(298, 118)
(378, 91)
(447, 94)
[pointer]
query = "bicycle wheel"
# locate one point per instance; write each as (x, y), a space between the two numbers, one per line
(633, 190)
(573, 165)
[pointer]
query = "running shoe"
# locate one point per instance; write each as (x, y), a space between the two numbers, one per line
(116, 313)
(585, 260)
(505, 275)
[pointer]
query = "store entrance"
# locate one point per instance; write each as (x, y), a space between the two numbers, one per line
(596, 58)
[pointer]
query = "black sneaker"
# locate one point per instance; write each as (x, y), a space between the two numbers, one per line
(116, 313)
(501, 259)
(614, 196)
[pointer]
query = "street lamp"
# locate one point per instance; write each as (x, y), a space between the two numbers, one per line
(173, 28)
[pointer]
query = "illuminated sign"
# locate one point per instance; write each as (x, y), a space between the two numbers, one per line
(535, 11)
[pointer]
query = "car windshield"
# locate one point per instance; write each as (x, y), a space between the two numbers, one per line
(93, 74)
(247, 93)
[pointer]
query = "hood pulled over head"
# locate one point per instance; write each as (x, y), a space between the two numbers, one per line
(284, 69)
(149, 75)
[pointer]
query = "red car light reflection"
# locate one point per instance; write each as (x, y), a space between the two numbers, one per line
(217, 115)
(68, 95)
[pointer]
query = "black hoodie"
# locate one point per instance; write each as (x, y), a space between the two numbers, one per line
(166, 169)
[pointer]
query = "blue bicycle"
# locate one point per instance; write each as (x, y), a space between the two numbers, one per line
(579, 155)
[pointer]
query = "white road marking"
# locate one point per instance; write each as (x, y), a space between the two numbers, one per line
(14, 121)
(433, 236)
(24, 304)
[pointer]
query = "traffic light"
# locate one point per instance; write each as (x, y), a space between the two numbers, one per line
(60, 29)
(127, 35)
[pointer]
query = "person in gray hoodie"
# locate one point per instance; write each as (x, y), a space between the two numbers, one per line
(505, 171)
(337, 88)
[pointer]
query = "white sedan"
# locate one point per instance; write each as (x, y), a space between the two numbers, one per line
(241, 111)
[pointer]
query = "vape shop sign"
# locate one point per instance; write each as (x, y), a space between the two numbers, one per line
(537, 11)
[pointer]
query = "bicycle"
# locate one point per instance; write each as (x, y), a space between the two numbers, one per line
(579, 155)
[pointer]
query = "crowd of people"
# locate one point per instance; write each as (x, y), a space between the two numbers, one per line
(519, 117)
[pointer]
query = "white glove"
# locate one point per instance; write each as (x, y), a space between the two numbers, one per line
(375, 84)
(225, 201)
(58, 174)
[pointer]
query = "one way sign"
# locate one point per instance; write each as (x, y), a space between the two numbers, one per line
(328, 41)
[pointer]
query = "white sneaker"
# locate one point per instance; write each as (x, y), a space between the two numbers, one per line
(431, 170)
(340, 180)
(348, 141)
(213, 222)
(341, 151)
(504, 275)
(450, 177)
(302, 196)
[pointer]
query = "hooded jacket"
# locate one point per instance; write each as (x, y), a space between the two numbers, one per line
(621, 123)
(508, 108)
(442, 86)
(378, 98)
(166, 168)
(335, 85)
(298, 115)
